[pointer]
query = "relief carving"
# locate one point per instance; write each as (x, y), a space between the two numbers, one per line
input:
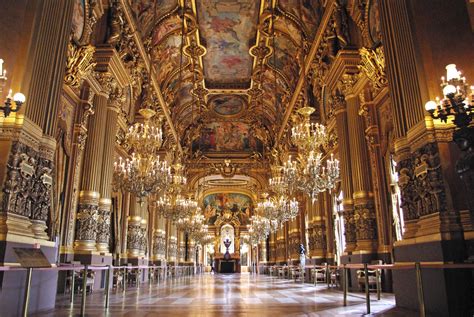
(366, 224)
(86, 222)
(103, 226)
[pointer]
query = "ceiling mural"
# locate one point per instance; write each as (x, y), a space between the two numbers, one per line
(143, 12)
(224, 99)
(228, 27)
(308, 12)
(225, 206)
(227, 136)
(227, 105)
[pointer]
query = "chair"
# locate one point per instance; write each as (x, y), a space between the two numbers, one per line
(319, 274)
(117, 279)
(297, 273)
(134, 277)
(374, 278)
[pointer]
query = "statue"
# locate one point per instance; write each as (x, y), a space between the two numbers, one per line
(302, 256)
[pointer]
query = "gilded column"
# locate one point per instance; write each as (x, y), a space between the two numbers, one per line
(379, 181)
(134, 229)
(173, 244)
(103, 224)
(88, 211)
(159, 239)
(319, 230)
(182, 247)
(346, 172)
(364, 210)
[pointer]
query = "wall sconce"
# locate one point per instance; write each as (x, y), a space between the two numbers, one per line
(456, 101)
(19, 99)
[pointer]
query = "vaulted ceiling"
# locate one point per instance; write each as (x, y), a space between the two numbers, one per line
(228, 89)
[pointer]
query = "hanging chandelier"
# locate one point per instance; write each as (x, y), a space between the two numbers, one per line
(177, 209)
(259, 229)
(143, 173)
(191, 224)
(145, 138)
(317, 178)
(306, 135)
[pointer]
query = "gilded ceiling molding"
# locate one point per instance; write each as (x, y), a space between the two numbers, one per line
(127, 16)
(327, 16)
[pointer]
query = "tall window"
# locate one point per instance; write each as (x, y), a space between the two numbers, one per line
(397, 211)
(340, 242)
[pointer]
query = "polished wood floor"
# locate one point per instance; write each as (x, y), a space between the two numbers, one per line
(227, 295)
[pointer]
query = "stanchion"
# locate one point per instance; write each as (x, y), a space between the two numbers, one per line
(377, 276)
(125, 279)
(73, 282)
(419, 287)
(84, 291)
(107, 287)
(367, 294)
(327, 274)
(26, 299)
(345, 284)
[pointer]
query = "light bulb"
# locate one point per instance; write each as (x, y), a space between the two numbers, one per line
(19, 97)
(451, 72)
(449, 89)
(430, 106)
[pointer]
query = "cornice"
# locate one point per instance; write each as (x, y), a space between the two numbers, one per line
(108, 60)
(346, 62)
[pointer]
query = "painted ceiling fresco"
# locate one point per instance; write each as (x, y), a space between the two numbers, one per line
(143, 12)
(227, 105)
(227, 136)
(225, 206)
(228, 27)
(225, 84)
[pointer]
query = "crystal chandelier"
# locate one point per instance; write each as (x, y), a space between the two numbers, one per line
(308, 136)
(316, 178)
(278, 210)
(191, 224)
(176, 208)
(145, 138)
(259, 229)
(178, 181)
(143, 173)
